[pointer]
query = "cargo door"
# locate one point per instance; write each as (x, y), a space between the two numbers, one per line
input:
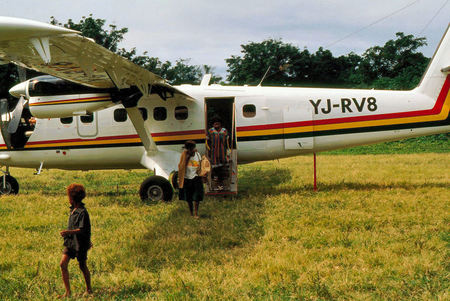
(298, 127)
(87, 125)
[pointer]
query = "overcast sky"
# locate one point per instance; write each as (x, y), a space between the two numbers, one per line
(208, 31)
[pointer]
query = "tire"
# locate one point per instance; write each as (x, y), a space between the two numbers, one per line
(11, 185)
(156, 188)
(174, 179)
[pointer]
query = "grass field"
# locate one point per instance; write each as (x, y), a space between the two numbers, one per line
(377, 229)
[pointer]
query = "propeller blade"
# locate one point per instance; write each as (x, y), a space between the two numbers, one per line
(4, 122)
(16, 115)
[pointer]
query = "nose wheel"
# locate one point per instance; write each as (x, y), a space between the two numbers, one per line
(156, 188)
(8, 185)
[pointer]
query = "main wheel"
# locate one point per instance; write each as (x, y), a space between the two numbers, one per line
(11, 185)
(156, 188)
(174, 179)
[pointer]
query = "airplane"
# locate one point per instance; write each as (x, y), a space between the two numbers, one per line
(97, 110)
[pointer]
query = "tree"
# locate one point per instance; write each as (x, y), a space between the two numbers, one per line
(215, 79)
(397, 64)
(93, 28)
(8, 78)
(289, 65)
(178, 73)
(258, 57)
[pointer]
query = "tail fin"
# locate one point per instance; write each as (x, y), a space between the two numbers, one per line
(438, 69)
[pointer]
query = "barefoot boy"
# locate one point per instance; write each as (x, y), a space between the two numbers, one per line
(77, 237)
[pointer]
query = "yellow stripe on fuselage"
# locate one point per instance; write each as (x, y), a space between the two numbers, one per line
(88, 142)
(70, 101)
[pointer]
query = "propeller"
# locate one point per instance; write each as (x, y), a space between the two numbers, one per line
(16, 114)
(18, 91)
(3, 123)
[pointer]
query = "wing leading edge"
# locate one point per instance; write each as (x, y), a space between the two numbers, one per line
(66, 54)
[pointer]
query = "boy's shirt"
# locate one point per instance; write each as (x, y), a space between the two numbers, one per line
(79, 219)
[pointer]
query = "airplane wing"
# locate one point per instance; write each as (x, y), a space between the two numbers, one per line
(66, 54)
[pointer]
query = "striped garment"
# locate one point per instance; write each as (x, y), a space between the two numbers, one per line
(218, 146)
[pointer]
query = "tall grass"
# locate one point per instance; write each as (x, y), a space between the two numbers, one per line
(378, 228)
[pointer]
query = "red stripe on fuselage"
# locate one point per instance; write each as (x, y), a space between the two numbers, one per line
(433, 111)
(164, 134)
(86, 99)
(82, 140)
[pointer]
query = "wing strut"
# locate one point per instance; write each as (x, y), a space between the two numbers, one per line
(142, 129)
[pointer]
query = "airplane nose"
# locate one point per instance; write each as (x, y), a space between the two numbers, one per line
(19, 89)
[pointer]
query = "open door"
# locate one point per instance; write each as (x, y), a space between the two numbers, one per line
(221, 146)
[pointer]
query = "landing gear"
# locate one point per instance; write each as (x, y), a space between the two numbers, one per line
(174, 179)
(8, 185)
(156, 188)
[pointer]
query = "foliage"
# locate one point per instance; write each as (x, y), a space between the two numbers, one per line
(8, 78)
(377, 229)
(396, 65)
(93, 28)
(258, 57)
(178, 73)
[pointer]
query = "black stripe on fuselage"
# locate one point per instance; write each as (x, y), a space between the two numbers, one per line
(359, 130)
(370, 129)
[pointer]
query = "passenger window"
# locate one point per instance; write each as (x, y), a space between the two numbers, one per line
(143, 113)
(66, 120)
(87, 118)
(181, 113)
(160, 113)
(120, 115)
(249, 111)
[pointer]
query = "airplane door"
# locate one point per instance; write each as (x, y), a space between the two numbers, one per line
(298, 129)
(222, 179)
(87, 125)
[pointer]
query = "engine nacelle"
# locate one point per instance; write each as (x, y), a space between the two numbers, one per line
(68, 105)
(52, 97)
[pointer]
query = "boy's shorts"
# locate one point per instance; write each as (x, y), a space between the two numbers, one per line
(81, 255)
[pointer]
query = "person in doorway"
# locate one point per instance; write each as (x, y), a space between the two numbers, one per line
(217, 143)
(77, 237)
(189, 181)
(218, 147)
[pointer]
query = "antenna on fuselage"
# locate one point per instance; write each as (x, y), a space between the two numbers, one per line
(264, 77)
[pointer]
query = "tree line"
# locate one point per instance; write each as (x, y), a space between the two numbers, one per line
(396, 65)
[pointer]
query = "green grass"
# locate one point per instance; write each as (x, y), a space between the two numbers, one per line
(377, 229)
(427, 144)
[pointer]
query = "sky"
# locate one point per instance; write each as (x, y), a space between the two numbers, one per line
(210, 31)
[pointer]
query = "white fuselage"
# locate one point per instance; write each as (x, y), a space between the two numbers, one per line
(287, 122)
